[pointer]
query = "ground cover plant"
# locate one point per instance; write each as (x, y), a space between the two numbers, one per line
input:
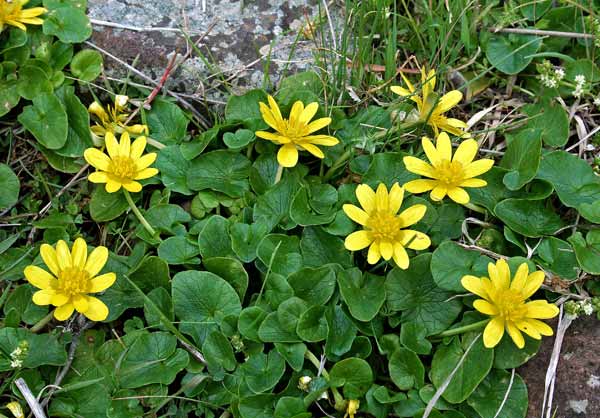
(391, 234)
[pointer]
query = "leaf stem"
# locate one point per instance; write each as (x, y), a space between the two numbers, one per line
(42, 322)
(340, 402)
(461, 330)
(279, 173)
(475, 208)
(139, 215)
(337, 164)
(155, 143)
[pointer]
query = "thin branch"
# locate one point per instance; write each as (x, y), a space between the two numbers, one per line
(31, 400)
(538, 32)
(138, 28)
(512, 378)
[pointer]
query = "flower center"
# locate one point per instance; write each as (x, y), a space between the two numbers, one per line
(123, 167)
(9, 10)
(384, 226)
(73, 281)
(294, 130)
(450, 173)
(511, 305)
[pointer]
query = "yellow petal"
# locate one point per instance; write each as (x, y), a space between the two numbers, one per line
(79, 253)
(431, 151)
(401, 257)
(48, 254)
(137, 129)
(97, 310)
(39, 277)
(97, 159)
(438, 192)
(356, 214)
(529, 329)
(268, 117)
(485, 307)
(366, 197)
(270, 136)
(112, 146)
(515, 334)
(448, 101)
(59, 299)
(313, 149)
(112, 186)
(478, 167)
(534, 281)
(387, 249)
(467, 150)
(541, 309)
(97, 109)
(358, 240)
(411, 88)
(415, 240)
(473, 183)
(374, 255)
(287, 155)
(80, 303)
(318, 124)
(309, 112)
(412, 215)
(520, 278)
(325, 140)
(459, 195)
(401, 91)
(474, 285)
(493, 332)
(43, 297)
(414, 165)
(101, 283)
(132, 186)
(138, 147)
(62, 313)
(146, 173)
(125, 144)
(145, 161)
(98, 177)
(420, 186)
(395, 198)
(63, 255)
(96, 260)
(541, 327)
(296, 111)
(444, 146)
(499, 274)
(381, 197)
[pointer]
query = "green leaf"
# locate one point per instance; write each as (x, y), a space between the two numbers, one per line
(271, 330)
(224, 171)
(289, 407)
(257, 406)
(250, 320)
(9, 96)
(87, 65)
(579, 189)
(241, 108)
(528, 218)
(312, 325)
(246, 238)
(511, 53)
(558, 257)
(69, 24)
(106, 206)
(508, 356)
(10, 185)
(354, 374)
(217, 350)
(364, 294)
(320, 248)
(475, 366)
(152, 358)
(490, 400)
(585, 67)
(450, 262)
(46, 120)
(284, 252)
(53, 353)
(406, 369)
(387, 168)
(214, 240)
(238, 140)
(202, 300)
(290, 311)
(231, 270)
(20, 300)
(179, 250)
(413, 336)
(79, 137)
(173, 169)
(313, 285)
(523, 158)
(303, 214)
(587, 250)
(342, 332)
(550, 117)
(151, 273)
(262, 372)
(167, 122)
(414, 292)
(32, 82)
(293, 354)
(273, 207)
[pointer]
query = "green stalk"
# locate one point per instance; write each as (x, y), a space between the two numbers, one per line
(340, 402)
(461, 330)
(42, 322)
(279, 173)
(337, 164)
(139, 215)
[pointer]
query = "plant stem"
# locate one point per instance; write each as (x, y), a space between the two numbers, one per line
(461, 330)
(279, 174)
(139, 215)
(42, 322)
(475, 208)
(155, 143)
(340, 402)
(337, 164)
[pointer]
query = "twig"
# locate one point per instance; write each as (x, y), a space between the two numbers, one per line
(35, 407)
(538, 32)
(138, 28)
(193, 351)
(482, 250)
(512, 378)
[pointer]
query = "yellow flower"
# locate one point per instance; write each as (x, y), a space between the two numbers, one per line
(123, 165)
(504, 301)
(383, 229)
(447, 175)
(113, 118)
(431, 107)
(295, 133)
(73, 274)
(352, 408)
(12, 13)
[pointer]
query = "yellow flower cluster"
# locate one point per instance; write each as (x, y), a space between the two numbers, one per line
(13, 14)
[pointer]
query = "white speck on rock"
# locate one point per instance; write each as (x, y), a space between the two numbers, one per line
(580, 407)
(593, 381)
